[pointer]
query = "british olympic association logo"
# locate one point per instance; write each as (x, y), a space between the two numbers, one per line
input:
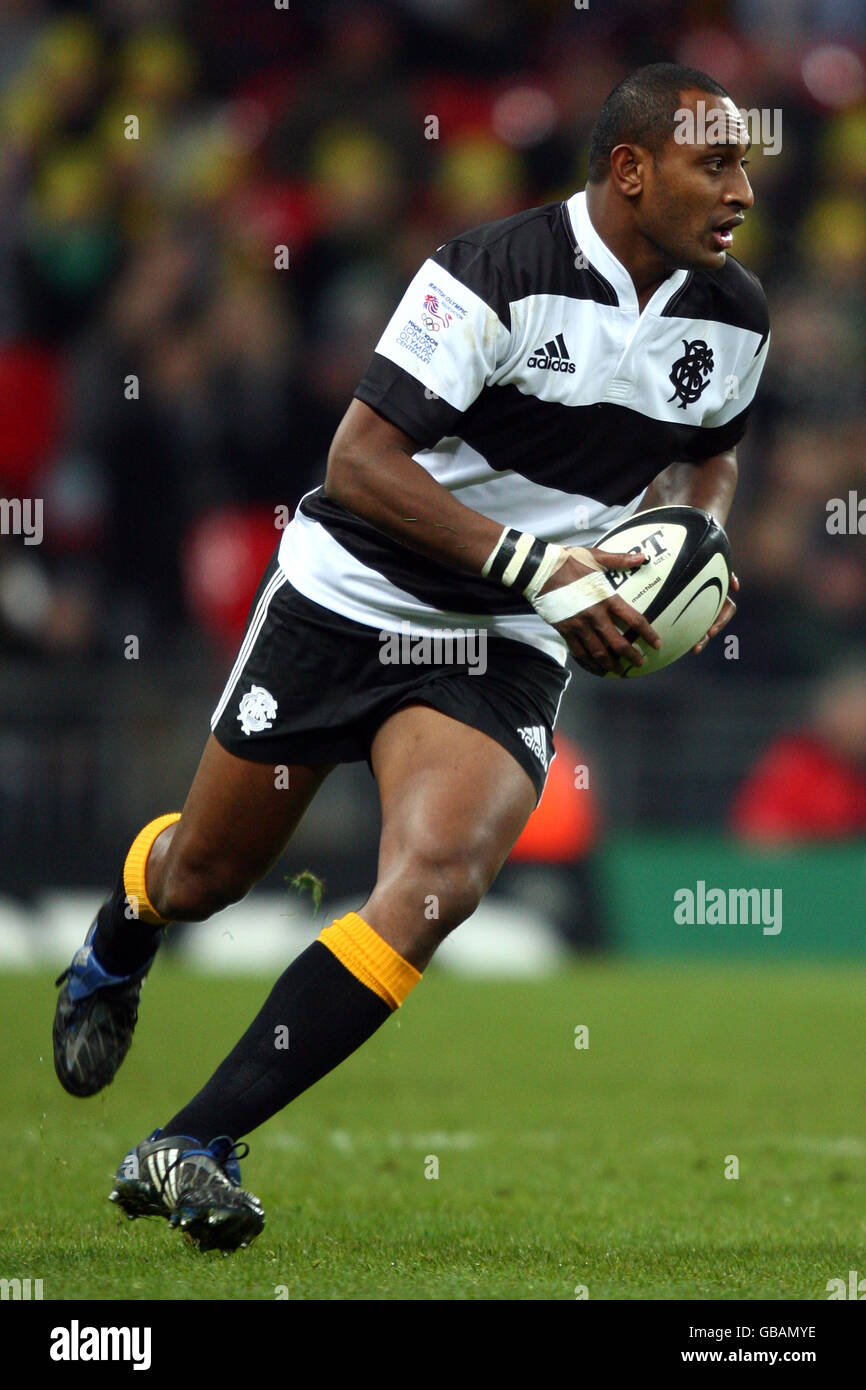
(258, 709)
(434, 317)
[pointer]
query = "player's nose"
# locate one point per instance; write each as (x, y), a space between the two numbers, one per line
(741, 193)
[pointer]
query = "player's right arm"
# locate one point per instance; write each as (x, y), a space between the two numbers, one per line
(445, 342)
(371, 472)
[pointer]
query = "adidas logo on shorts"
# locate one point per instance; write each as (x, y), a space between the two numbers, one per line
(553, 357)
(535, 738)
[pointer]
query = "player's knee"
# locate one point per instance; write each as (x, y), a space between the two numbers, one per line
(448, 889)
(422, 894)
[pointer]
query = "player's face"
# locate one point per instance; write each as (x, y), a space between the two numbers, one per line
(695, 196)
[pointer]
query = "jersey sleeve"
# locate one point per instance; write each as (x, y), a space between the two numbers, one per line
(449, 333)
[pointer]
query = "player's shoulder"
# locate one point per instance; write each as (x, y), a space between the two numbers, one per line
(497, 238)
(509, 257)
(731, 294)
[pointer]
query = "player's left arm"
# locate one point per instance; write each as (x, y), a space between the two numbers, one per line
(709, 483)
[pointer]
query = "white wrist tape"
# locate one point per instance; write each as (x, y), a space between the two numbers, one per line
(520, 560)
(555, 557)
(522, 547)
(572, 598)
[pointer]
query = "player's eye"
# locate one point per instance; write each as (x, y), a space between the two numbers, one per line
(717, 164)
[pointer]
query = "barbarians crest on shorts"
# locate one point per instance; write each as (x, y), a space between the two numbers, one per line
(258, 709)
(690, 374)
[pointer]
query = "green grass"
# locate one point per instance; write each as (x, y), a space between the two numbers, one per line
(558, 1167)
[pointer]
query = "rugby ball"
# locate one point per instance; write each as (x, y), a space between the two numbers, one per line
(682, 588)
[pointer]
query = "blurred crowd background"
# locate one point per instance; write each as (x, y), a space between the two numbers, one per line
(164, 386)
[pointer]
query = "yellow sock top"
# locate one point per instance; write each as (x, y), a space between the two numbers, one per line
(135, 865)
(370, 958)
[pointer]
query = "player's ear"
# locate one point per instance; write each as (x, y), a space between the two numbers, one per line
(627, 164)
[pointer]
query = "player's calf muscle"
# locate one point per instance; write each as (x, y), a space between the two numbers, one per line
(189, 893)
(234, 826)
(188, 881)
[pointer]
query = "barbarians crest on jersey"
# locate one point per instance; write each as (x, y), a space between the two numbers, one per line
(690, 374)
(258, 709)
(434, 317)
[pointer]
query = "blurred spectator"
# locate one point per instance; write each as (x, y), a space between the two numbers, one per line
(811, 785)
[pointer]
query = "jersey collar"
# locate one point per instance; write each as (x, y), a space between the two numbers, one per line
(602, 259)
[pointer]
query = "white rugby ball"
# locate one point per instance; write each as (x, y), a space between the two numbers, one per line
(682, 588)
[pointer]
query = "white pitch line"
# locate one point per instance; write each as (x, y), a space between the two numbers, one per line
(348, 1141)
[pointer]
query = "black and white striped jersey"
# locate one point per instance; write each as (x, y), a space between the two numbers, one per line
(541, 397)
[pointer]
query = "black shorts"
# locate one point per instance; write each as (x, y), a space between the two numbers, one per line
(310, 686)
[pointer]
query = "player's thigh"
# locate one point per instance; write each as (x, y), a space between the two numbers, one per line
(237, 819)
(453, 803)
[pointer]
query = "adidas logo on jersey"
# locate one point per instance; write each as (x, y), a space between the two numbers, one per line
(553, 357)
(535, 738)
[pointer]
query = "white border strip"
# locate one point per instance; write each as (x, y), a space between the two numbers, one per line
(252, 633)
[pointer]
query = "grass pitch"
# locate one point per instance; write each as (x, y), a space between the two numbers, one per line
(558, 1166)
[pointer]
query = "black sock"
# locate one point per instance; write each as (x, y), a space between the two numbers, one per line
(123, 944)
(316, 1015)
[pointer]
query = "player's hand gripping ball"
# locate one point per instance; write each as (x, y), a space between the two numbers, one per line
(682, 588)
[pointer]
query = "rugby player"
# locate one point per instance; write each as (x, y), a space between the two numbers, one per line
(543, 377)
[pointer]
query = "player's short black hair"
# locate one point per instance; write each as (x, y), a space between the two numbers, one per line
(641, 109)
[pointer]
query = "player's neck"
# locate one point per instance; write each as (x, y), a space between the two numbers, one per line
(643, 263)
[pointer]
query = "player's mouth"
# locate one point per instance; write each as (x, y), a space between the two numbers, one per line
(723, 234)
